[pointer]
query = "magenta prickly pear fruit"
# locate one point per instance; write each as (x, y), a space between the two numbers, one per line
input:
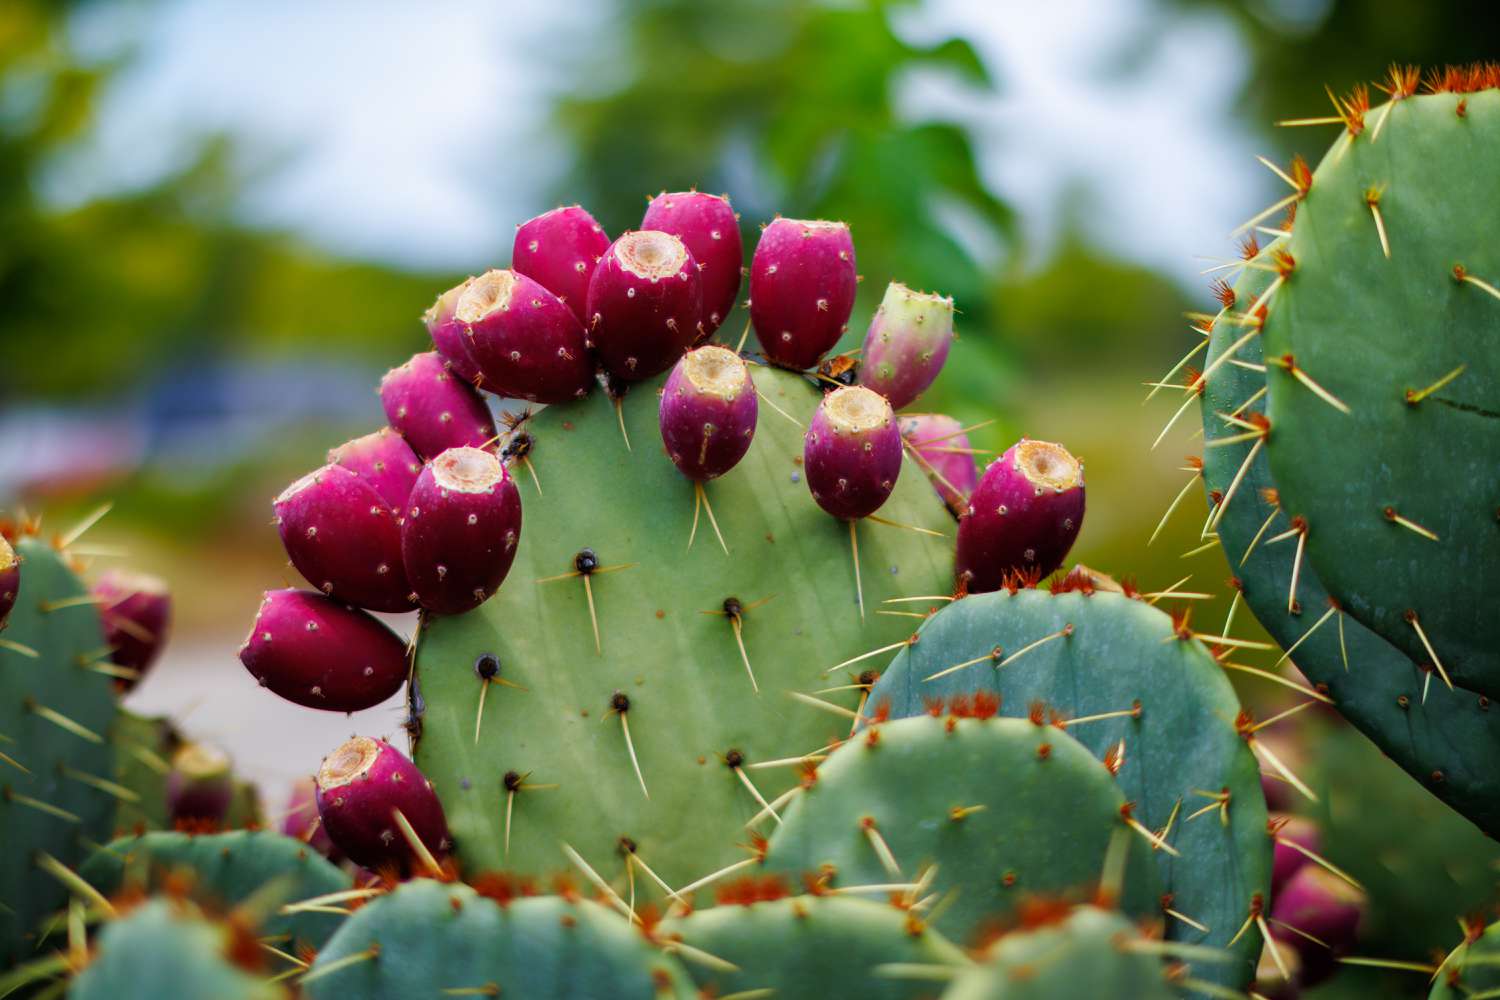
(384, 461)
(1317, 902)
(802, 285)
(434, 409)
(302, 822)
(360, 787)
(710, 229)
(343, 539)
(708, 412)
(199, 787)
(559, 251)
(526, 341)
(318, 652)
(136, 610)
(906, 344)
(463, 520)
(448, 334)
(10, 579)
(852, 452)
(1022, 518)
(645, 302)
(944, 453)
(1287, 861)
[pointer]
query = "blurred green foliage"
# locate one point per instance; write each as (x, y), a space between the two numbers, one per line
(790, 106)
(99, 296)
(1298, 46)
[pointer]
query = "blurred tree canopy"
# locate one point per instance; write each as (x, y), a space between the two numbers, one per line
(1298, 46)
(790, 106)
(98, 297)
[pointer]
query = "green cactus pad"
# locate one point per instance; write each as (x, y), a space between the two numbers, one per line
(227, 869)
(1471, 969)
(166, 949)
(811, 947)
(1089, 954)
(1121, 652)
(1368, 330)
(690, 698)
(55, 716)
(430, 939)
(143, 748)
(1448, 740)
(1005, 809)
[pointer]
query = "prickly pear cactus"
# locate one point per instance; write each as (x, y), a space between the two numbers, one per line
(56, 711)
(1141, 692)
(227, 869)
(431, 939)
(165, 948)
(987, 811)
(1383, 370)
(635, 682)
(1473, 968)
(1089, 953)
(1448, 740)
(811, 947)
(143, 748)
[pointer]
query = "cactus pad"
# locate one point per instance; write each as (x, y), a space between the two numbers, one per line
(55, 717)
(1003, 809)
(143, 748)
(1449, 741)
(166, 949)
(1181, 747)
(1384, 370)
(1471, 969)
(429, 939)
(1090, 953)
(811, 947)
(226, 869)
(553, 756)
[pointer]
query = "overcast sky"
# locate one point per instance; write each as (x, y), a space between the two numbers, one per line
(374, 153)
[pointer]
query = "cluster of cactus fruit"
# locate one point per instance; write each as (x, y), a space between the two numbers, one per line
(1042, 791)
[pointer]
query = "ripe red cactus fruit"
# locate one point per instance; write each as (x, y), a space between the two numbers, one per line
(462, 525)
(1287, 861)
(1023, 517)
(907, 343)
(852, 452)
(199, 787)
(344, 539)
(708, 412)
(360, 787)
(1319, 903)
(944, 453)
(384, 461)
(644, 305)
(321, 653)
(802, 286)
(136, 611)
(447, 333)
(710, 229)
(526, 341)
(559, 251)
(10, 579)
(300, 819)
(433, 409)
